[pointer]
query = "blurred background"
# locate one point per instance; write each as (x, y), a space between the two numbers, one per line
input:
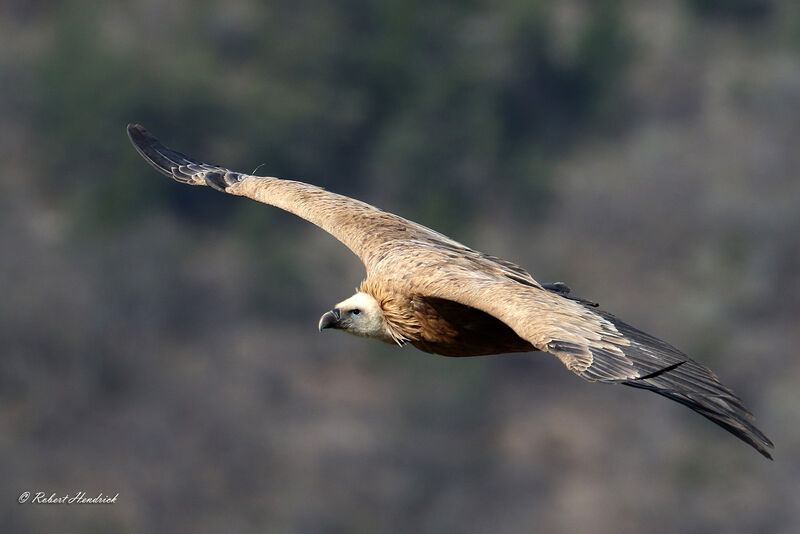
(161, 341)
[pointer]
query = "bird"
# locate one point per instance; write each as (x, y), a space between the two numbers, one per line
(427, 290)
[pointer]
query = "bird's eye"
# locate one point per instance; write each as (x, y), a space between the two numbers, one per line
(356, 311)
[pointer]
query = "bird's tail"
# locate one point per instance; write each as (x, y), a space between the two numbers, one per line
(179, 166)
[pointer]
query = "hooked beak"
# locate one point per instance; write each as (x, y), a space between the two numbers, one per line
(329, 319)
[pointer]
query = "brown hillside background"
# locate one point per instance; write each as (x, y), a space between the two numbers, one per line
(161, 341)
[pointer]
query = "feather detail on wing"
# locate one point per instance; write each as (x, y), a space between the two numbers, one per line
(366, 230)
(596, 345)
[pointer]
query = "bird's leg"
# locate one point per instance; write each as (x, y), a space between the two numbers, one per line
(563, 289)
(557, 287)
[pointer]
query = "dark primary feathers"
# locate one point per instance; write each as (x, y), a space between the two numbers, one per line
(670, 373)
(446, 298)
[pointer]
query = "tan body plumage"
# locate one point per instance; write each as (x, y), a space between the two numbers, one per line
(424, 289)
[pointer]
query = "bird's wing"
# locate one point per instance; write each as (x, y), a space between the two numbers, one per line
(366, 230)
(593, 344)
(590, 342)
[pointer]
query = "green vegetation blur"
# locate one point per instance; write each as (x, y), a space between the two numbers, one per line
(453, 97)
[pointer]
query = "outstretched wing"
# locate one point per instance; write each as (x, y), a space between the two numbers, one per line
(366, 230)
(590, 342)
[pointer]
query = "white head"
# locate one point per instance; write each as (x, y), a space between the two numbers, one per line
(360, 315)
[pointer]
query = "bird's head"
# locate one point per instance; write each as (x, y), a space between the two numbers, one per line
(360, 315)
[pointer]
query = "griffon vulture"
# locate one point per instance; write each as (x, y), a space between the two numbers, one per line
(425, 289)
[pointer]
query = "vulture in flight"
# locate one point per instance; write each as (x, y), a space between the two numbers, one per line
(424, 289)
